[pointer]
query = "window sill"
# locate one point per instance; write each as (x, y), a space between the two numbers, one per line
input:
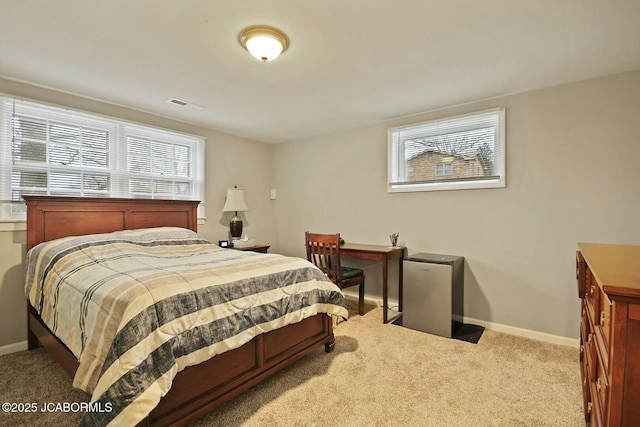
(460, 185)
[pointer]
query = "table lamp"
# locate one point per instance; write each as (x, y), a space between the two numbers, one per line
(235, 203)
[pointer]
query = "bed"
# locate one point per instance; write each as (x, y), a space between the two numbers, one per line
(195, 382)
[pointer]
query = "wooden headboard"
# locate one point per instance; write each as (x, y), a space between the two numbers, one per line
(51, 218)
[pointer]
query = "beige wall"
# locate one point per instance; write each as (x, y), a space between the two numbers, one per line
(572, 175)
(229, 161)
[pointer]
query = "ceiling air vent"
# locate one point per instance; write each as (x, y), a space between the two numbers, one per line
(182, 103)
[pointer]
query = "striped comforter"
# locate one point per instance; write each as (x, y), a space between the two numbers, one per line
(136, 307)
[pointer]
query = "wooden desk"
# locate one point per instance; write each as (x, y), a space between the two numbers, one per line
(379, 253)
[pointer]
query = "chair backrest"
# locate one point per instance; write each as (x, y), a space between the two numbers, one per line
(323, 250)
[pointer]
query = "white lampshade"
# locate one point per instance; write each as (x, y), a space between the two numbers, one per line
(235, 201)
(264, 43)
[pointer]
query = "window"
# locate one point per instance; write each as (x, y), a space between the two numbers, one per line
(443, 169)
(455, 153)
(52, 151)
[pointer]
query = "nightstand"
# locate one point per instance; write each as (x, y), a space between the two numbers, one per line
(257, 248)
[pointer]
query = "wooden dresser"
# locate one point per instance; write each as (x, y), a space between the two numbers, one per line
(609, 287)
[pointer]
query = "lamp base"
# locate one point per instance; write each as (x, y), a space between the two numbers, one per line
(235, 226)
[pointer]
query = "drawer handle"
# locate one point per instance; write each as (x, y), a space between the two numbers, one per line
(603, 317)
(589, 407)
(600, 385)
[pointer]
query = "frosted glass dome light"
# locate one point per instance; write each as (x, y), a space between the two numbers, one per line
(263, 43)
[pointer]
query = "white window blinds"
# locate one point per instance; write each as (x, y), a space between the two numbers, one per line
(52, 151)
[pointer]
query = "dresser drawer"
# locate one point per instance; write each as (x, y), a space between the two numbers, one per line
(601, 329)
(601, 382)
(604, 318)
(586, 381)
(583, 336)
(590, 350)
(594, 410)
(598, 305)
(592, 294)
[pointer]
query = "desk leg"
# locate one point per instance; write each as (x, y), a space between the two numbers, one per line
(385, 290)
(400, 284)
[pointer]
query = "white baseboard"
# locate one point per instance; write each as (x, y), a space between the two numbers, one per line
(498, 327)
(13, 348)
(526, 333)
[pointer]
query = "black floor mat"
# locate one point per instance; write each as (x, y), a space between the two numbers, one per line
(467, 332)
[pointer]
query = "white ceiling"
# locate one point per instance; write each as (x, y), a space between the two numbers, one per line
(350, 62)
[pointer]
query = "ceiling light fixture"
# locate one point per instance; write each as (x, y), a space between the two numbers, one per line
(263, 42)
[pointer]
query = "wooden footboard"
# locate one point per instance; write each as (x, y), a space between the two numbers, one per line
(200, 388)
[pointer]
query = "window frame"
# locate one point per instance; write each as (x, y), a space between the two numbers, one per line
(444, 169)
(117, 167)
(397, 136)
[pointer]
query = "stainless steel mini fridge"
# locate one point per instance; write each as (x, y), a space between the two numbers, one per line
(433, 291)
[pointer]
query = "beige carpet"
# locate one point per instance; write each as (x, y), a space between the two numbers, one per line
(378, 375)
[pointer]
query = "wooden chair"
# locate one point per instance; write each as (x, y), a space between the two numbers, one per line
(323, 250)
